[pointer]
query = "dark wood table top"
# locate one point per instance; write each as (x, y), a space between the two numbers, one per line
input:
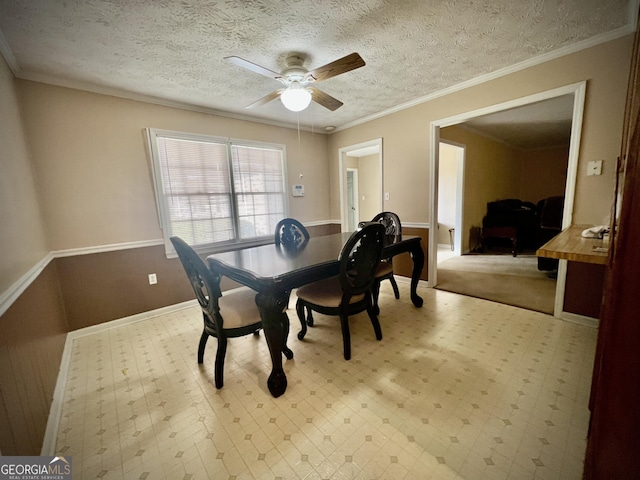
(275, 267)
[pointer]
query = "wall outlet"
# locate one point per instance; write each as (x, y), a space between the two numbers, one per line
(153, 279)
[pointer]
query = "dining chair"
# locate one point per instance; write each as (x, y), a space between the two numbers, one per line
(292, 235)
(349, 292)
(392, 226)
(241, 315)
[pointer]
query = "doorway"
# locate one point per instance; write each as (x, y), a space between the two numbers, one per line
(352, 199)
(451, 198)
(361, 200)
(577, 94)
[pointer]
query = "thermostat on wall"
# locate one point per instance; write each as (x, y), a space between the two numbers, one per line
(297, 190)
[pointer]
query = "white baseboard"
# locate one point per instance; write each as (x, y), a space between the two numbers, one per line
(580, 319)
(55, 412)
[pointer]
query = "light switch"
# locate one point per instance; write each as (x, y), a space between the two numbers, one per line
(594, 167)
(387, 196)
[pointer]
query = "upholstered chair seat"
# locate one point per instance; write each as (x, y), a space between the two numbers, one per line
(327, 292)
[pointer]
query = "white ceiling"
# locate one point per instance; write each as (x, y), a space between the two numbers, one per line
(172, 51)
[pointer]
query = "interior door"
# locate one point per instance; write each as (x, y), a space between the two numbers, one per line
(352, 198)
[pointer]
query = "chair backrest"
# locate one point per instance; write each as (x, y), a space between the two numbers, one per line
(550, 211)
(290, 233)
(391, 222)
(205, 283)
(359, 259)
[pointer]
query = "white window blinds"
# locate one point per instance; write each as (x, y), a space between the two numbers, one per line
(257, 174)
(214, 192)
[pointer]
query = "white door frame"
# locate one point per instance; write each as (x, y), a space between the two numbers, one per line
(578, 90)
(375, 146)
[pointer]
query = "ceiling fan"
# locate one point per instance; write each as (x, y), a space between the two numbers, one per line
(297, 80)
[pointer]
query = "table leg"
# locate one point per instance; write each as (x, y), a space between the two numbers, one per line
(275, 323)
(418, 263)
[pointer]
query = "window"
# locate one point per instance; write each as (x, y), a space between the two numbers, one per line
(215, 192)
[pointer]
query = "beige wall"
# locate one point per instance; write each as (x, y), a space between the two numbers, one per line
(495, 171)
(33, 327)
(492, 172)
(406, 133)
(23, 241)
(544, 173)
(93, 172)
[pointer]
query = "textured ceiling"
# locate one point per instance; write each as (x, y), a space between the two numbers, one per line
(173, 50)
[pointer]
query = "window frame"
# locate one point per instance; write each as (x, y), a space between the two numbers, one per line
(164, 221)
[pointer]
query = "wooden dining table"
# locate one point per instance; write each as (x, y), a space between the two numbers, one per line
(274, 270)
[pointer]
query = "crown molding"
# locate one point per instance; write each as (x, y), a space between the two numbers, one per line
(561, 52)
(138, 97)
(7, 53)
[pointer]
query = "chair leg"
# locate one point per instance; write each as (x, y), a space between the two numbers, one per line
(203, 342)
(375, 293)
(300, 312)
(396, 292)
(309, 315)
(219, 370)
(346, 336)
(375, 322)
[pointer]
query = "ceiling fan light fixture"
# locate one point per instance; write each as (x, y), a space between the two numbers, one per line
(296, 98)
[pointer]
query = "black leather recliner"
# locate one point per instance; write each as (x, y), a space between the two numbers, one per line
(514, 213)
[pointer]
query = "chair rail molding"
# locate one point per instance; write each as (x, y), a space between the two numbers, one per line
(14, 291)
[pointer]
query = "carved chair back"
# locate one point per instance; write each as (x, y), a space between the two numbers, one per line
(290, 233)
(205, 282)
(359, 259)
(390, 221)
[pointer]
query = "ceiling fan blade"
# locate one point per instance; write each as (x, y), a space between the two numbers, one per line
(266, 99)
(324, 99)
(241, 62)
(342, 65)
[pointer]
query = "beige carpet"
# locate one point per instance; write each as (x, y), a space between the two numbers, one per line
(500, 278)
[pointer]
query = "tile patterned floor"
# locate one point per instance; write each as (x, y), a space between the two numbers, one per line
(459, 389)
